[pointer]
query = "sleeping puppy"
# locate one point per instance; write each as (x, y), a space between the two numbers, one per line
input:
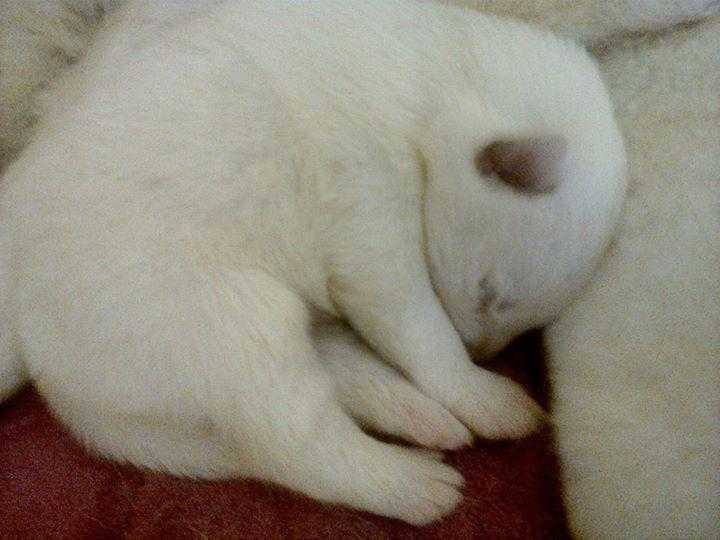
(207, 189)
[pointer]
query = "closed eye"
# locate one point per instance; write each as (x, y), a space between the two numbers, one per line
(489, 299)
(487, 295)
(505, 305)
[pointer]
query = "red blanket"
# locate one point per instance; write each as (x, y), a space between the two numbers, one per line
(51, 488)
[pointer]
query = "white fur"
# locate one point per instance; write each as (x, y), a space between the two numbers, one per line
(379, 397)
(12, 371)
(197, 186)
(38, 38)
(598, 21)
(636, 364)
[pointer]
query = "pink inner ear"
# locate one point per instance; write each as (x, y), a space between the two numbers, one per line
(526, 164)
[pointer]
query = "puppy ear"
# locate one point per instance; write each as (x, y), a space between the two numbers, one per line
(530, 165)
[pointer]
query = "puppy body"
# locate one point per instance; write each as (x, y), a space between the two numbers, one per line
(199, 190)
(37, 40)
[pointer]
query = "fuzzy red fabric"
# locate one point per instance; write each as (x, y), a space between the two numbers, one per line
(51, 488)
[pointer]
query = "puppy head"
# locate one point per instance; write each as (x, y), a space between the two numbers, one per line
(517, 212)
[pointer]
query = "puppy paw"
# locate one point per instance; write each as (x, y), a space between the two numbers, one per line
(403, 411)
(353, 469)
(415, 487)
(496, 408)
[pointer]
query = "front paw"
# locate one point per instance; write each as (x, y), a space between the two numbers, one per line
(416, 418)
(412, 485)
(496, 408)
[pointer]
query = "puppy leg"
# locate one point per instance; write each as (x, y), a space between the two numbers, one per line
(379, 397)
(277, 401)
(380, 283)
(229, 384)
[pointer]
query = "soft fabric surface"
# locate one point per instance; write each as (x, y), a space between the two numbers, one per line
(51, 488)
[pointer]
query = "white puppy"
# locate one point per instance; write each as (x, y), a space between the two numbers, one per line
(201, 191)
